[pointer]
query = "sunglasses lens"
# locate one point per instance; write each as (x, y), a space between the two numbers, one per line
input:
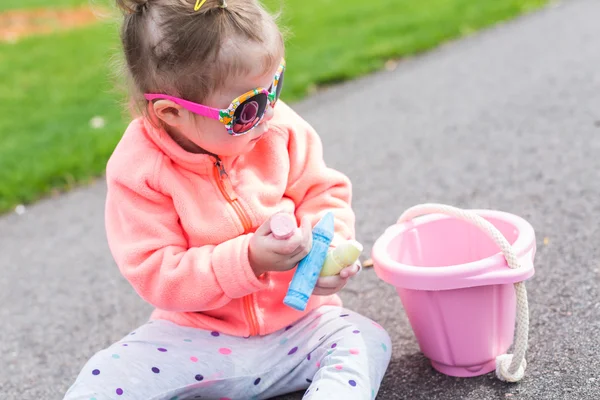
(249, 113)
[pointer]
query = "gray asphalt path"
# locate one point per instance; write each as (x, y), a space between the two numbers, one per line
(508, 119)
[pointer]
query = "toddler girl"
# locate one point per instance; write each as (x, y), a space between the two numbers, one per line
(192, 186)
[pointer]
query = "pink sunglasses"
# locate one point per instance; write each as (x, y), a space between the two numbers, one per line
(244, 112)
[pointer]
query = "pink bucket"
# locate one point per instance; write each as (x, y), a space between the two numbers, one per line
(458, 289)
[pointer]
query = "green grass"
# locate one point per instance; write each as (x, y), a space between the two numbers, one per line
(52, 86)
(19, 4)
(336, 40)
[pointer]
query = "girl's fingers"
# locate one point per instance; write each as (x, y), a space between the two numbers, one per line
(326, 291)
(264, 229)
(350, 271)
(290, 246)
(331, 282)
(302, 241)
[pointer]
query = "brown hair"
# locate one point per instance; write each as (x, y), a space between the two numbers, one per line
(171, 48)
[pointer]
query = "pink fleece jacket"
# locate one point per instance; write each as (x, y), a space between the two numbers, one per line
(178, 226)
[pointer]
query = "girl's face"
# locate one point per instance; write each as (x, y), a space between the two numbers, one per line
(212, 136)
(204, 135)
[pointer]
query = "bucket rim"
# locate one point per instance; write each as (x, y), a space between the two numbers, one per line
(490, 270)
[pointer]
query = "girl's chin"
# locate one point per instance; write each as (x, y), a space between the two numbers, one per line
(248, 147)
(252, 144)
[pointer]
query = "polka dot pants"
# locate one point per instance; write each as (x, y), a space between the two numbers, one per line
(332, 352)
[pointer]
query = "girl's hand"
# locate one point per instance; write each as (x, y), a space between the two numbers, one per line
(328, 285)
(266, 253)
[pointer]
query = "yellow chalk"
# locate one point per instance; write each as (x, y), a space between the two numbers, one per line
(344, 255)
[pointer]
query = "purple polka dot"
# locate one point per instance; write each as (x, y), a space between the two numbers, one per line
(199, 377)
(155, 370)
(161, 349)
(352, 383)
(333, 346)
(308, 380)
(119, 391)
(215, 334)
(292, 351)
(125, 344)
(356, 331)
(96, 372)
(308, 357)
(344, 315)
(257, 381)
(289, 327)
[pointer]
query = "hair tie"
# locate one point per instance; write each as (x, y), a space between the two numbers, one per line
(200, 3)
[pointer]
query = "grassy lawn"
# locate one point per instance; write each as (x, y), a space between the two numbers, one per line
(52, 86)
(19, 4)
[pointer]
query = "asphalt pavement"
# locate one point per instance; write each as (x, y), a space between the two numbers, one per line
(507, 119)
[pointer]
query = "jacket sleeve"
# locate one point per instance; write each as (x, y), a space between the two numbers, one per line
(314, 187)
(152, 253)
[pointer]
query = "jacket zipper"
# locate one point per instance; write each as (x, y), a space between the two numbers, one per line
(226, 189)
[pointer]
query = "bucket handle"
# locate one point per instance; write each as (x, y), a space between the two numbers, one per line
(509, 367)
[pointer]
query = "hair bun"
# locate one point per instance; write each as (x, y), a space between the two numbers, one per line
(132, 6)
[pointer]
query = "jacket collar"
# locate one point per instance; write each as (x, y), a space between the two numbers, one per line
(198, 163)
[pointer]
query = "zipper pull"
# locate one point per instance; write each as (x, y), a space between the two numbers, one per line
(226, 187)
(221, 168)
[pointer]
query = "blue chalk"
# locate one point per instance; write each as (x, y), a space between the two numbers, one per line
(308, 270)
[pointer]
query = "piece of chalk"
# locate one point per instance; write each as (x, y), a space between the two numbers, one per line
(282, 226)
(344, 255)
(308, 269)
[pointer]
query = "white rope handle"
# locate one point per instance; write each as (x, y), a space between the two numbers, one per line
(509, 367)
